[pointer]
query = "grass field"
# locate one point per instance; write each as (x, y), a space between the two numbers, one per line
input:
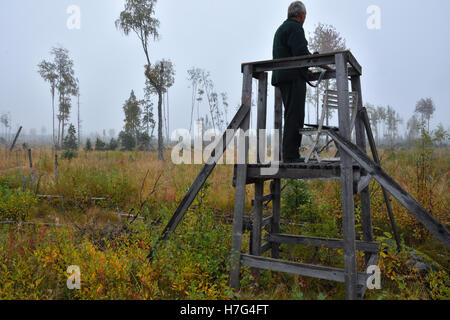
(88, 226)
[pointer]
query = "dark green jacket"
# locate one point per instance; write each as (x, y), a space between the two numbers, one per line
(289, 41)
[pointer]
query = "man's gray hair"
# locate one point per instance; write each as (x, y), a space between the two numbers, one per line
(295, 9)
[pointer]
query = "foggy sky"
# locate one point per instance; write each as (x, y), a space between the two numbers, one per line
(404, 61)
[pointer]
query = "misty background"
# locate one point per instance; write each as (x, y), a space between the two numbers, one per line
(402, 62)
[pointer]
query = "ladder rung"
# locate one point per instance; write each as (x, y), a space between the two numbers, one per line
(309, 171)
(269, 197)
(266, 247)
(321, 242)
(323, 127)
(266, 221)
(307, 270)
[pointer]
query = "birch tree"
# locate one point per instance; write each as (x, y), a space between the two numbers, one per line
(325, 38)
(47, 70)
(67, 87)
(425, 107)
(138, 17)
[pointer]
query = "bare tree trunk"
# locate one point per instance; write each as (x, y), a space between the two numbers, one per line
(168, 116)
(160, 132)
(59, 120)
(62, 130)
(53, 115)
(59, 132)
(63, 117)
(194, 93)
(164, 106)
(160, 129)
(208, 96)
(79, 121)
(136, 134)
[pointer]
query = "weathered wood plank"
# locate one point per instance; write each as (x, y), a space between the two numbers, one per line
(266, 247)
(241, 176)
(364, 183)
(316, 60)
(354, 63)
(416, 209)
(257, 219)
(373, 260)
(276, 214)
(184, 205)
(261, 117)
(15, 139)
(266, 221)
(348, 214)
(302, 172)
(261, 152)
(307, 270)
(267, 198)
(321, 242)
(276, 183)
(366, 216)
(332, 74)
(373, 148)
(31, 167)
(278, 123)
(56, 167)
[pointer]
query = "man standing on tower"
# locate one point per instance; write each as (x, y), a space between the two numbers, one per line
(290, 41)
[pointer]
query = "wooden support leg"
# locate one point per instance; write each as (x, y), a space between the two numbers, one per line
(261, 152)
(262, 118)
(256, 235)
(361, 143)
(257, 219)
(275, 225)
(278, 123)
(403, 197)
(31, 167)
(348, 214)
(241, 179)
(276, 184)
(365, 119)
(238, 224)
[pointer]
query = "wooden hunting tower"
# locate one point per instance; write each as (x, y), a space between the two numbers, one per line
(354, 169)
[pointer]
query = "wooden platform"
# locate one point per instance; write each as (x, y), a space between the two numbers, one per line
(310, 171)
(355, 170)
(303, 171)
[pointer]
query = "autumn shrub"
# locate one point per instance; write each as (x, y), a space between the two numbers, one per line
(297, 201)
(423, 172)
(69, 155)
(16, 205)
(438, 283)
(191, 265)
(81, 184)
(194, 262)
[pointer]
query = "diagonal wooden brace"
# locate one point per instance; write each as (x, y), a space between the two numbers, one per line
(202, 177)
(417, 210)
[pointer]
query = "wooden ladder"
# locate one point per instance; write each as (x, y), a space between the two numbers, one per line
(355, 170)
